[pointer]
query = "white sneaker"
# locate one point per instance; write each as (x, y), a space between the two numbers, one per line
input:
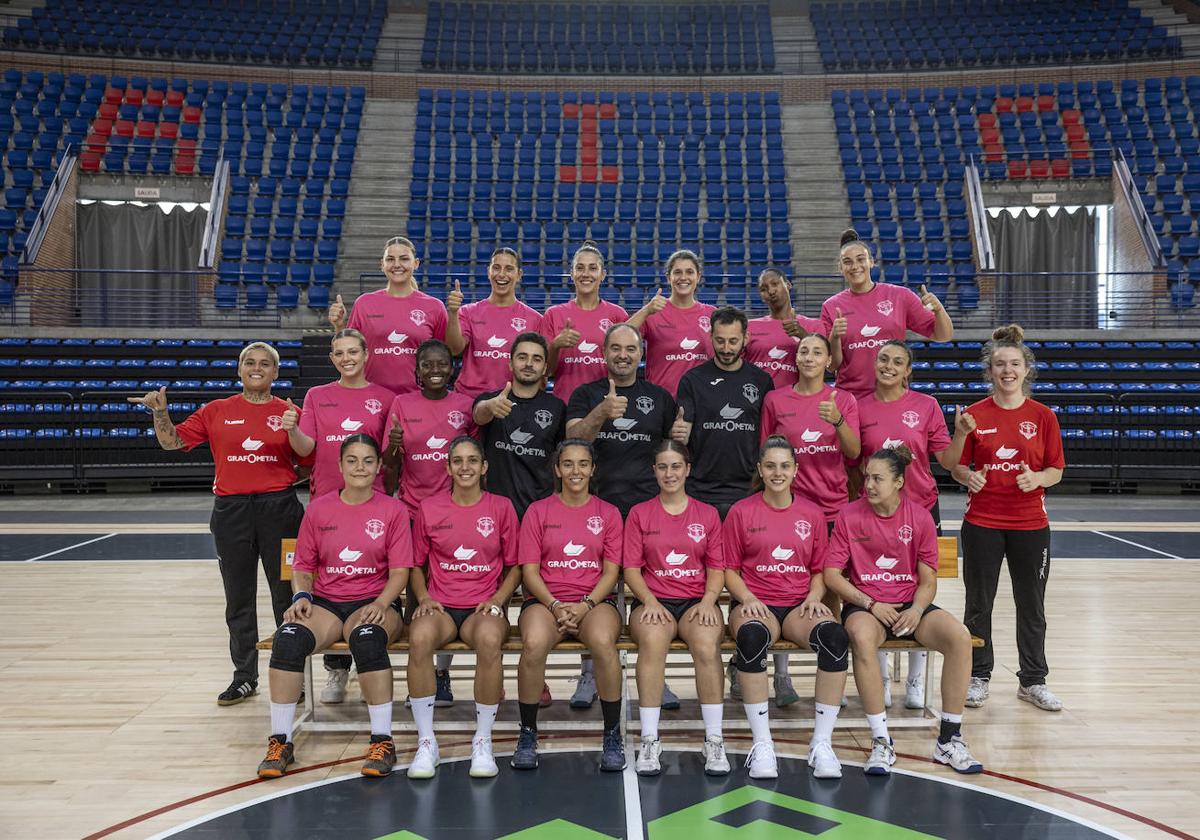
(425, 762)
(785, 692)
(716, 763)
(761, 761)
(735, 688)
(824, 763)
(977, 692)
(334, 690)
(483, 763)
(887, 693)
(883, 756)
(648, 763)
(914, 695)
(1040, 696)
(585, 691)
(956, 755)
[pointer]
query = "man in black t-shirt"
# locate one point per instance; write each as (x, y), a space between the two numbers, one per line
(520, 426)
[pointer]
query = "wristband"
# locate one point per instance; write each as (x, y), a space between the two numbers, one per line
(301, 594)
(840, 421)
(555, 604)
(587, 599)
(870, 604)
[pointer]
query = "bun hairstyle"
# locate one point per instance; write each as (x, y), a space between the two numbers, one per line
(589, 246)
(897, 459)
(350, 333)
(848, 235)
(1011, 335)
(556, 457)
(772, 442)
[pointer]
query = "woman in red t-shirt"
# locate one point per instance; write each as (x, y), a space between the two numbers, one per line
(882, 563)
(1013, 454)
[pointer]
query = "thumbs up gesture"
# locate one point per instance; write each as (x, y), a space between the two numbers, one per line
(614, 405)
(977, 480)
(658, 302)
(454, 300)
(964, 423)
(929, 300)
(154, 400)
(501, 405)
(839, 326)
(337, 314)
(1027, 479)
(792, 327)
(396, 435)
(567, 337)
(681, 429)
(828, 410)
(291, 416)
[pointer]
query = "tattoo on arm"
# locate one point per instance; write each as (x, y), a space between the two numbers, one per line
(168, 438)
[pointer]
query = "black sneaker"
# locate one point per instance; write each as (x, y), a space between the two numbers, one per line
(525, 757)
(280, 753)
(444, 696)
(612, 756)
(237, 692)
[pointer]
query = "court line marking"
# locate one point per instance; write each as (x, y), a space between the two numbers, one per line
(1138, 545)
(68, 548)
(633, 803)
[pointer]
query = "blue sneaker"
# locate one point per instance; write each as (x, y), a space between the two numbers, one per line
(444, 696)
(525, 757)
(612, 759)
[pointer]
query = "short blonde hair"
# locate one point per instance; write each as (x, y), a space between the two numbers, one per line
(259, 345)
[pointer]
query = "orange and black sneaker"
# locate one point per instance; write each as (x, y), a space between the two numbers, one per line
(381, 756)
(280, 753)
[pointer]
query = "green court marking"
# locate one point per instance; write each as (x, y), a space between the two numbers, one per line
(557, 830)
(401, 835)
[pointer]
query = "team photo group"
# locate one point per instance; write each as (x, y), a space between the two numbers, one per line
(624, 472)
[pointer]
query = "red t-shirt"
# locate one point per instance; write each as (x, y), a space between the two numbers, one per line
(820, 466)
(465, 550)
(570, 544)
(584, 362)
(428, 426)
(676, 341)
(331, 414)
(674, 551)
(776, 552)
(394, 328)
(881, 553)
(915, 420)
(350, 548)
(250, 449)
(489, 330)
(1003, 440)
(774, 351)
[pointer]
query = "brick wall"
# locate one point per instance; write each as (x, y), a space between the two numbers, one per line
(52, 298)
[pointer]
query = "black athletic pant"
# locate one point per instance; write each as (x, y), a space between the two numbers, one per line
(1028, 553)
(247, 531)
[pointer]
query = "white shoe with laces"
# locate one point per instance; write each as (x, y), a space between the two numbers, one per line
(761, 761)
(1040, 696)
(977, 692)
(887, 693)
(823, 761)
(955, 754)
(425, 762)
(883, 756)
(483, 763)
(716, 763)
(334, 690)
(914, 695)
(648, 763)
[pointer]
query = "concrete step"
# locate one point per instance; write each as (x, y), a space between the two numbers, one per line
(400, 41)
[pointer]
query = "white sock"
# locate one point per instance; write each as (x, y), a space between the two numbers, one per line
(781, 664)
(760, 724)
(823, 726)
(884, 670)
(916, 666)
(949, 718)
(422, 712)
(282, 715)
(485, 718)
(443, 661)
(381, 718)
(878, 724)
(585, 666)
(648, 717)
(714, 714)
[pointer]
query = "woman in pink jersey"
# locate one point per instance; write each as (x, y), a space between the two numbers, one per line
(352, 561)
(570, 561)
(579, 325)
(775, 544)
(483, 331)
(822, 424)
(1013, 454)
(465, 542)
(677, 332)
(773, 338)
(395, 320)
(860, 318)
(673, 559)
(882, 562)
(421, 426)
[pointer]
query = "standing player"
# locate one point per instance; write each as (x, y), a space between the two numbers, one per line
(465, 543)
(395, 320)
(578, 326)
(570, 561)
(255, 507)
(483, 331)
(882, 563)
(773, 338)
(676, 330)
(1012, 456)
(353, 556)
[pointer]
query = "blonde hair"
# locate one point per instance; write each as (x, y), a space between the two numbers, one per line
(259, 345)
(1012, 336)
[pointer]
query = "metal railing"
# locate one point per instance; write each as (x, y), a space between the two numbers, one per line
(1132, 196)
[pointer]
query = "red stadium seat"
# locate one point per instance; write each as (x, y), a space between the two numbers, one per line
(609, 174)
(102, 128)
(108, 111)
(168, 129)
(133, 96)
(571, 111)
(191, 114)
(1045, 103)
(588, 156)
(185, 164)
(1024, 104)
(1039, 169)
(145, 128)
(154, 97)
(989, 136)
(90, 161)
(1004, 104)
(587, 174)
(1071, 116)
(566, 174)
(994, 152)
(1017, 169)
(175, 98)
(987, 120)
(608, 111)
(588, 112)
(1060, 168)
(124, 128)
(113, 96)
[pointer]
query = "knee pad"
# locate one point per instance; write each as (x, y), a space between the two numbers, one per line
(368, 645)
(831, 644)
(293, 644)
(753, 640)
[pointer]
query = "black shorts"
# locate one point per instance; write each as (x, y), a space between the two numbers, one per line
(459, 615)
(780, 613)
(344, 609)
(611, 600)
(850, 609)
(675, 606)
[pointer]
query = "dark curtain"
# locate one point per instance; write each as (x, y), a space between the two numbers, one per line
(124, 238)
(1027, 245)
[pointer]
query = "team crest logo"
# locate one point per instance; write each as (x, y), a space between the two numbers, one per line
(1028, 429)
(644, 404)
(605, 323)
(910, 419)
(374, 528)
(373, 406)
(905, 534)
(803, 529)
(418, 317)
(750, 392)
(595, 524)
(456, 419)
(543, 418)
(519, 324)
(485, 525)
(704, 323)
(275, 422)
(695, 532)
(884, 307)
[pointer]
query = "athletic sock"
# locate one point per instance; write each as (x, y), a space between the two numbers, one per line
(759, 719)
(611, 709)
(443, 660)
(885, 670)
(529, 714)
(485, 718)
(823, 726)
(781, 664)
(422, 712)
(381, 718)
(878, 724)
(648, 716)
(714, 715)
(951, 726)
(282, 715)
(916, 667)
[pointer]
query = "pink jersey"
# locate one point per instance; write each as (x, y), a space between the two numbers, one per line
(489, 330)
(332, 413)
(886, 312)
(570, 544)
(585, 361)
(776, 551)
(774, 351)
(914, 420)
(674, 551)
(820, 467)
(676, 341)
(350, 548)
(465, 550)
(881, 553)
(428, 426)
(394, 328)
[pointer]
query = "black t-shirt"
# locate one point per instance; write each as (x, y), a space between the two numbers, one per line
(625, 447)
(725, 410)
(519, 447)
